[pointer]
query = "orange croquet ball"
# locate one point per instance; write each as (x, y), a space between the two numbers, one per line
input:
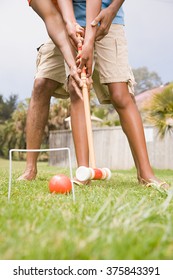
(60, 184)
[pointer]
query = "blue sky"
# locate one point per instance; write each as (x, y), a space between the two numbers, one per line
(149, 30)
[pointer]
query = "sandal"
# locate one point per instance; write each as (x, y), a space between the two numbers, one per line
(80, 183)
(153, 183)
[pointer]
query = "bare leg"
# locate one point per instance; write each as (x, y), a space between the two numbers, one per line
(79, 129)
(133, 128)
(37, 118)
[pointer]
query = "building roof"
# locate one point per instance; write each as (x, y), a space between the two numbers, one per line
(146, 95)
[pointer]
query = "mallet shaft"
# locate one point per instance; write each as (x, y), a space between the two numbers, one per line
(88, 120)
(85, 94)
(84, 173)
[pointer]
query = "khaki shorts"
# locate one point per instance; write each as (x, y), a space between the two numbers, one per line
(110, 60)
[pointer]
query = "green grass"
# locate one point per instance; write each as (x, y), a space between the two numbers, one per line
(117, 219)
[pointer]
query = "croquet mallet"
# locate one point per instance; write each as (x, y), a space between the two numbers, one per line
(85, 173)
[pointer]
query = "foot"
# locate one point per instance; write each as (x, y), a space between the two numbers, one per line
(155, 182)
(81, 183)
(28, 175)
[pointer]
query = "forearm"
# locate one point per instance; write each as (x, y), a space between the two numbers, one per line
(57, 31)
(92, 10)
(55, 28)
(60, 39)
(115, 5)
(66, 9)
(105, 18)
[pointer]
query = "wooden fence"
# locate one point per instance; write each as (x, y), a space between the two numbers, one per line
(112, 148)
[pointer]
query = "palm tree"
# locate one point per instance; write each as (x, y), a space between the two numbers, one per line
(159, 111)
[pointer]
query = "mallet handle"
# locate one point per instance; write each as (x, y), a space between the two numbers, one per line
(88, 119)
(85, 94)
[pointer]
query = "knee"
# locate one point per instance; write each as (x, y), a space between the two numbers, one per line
(121, 100)
(43, 87)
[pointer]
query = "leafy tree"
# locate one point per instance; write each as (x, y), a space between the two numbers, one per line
(7, 107)
(159, 111)
(145, 80)
(12, 131)
(13, 134)
(108, 114)
(59, 110)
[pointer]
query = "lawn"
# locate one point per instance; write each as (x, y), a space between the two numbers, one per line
(116, 219)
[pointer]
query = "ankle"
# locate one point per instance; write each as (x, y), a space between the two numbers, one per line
(30, 173)
(145, 176)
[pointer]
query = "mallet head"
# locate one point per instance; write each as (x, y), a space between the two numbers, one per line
(84, 173)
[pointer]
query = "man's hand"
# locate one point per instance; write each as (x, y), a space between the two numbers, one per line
(72, 29)
(76, 80)
(85, 58)
(73, 87)
(104, 18)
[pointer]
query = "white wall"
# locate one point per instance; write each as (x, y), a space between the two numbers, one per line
(112, 148)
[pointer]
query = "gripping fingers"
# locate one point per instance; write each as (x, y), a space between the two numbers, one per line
(75, 75)
(89, 82)
(75, 88)
(80, 31)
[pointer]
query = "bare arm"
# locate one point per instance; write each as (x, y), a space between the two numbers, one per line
(105, 18)
(57, 32)
(92, 10)
(67, 12)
